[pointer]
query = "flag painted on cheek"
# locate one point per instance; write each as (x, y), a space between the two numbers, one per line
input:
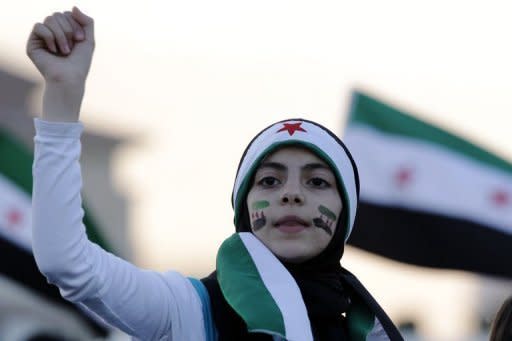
(326, 219)
(327, 212)
(259, 205)
(258, 218)
(427, 196)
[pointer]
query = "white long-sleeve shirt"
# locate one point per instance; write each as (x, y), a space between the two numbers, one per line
(146, 304)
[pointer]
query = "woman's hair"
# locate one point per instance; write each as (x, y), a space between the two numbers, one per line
(501, 329)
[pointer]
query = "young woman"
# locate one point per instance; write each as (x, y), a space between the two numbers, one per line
(278, 278)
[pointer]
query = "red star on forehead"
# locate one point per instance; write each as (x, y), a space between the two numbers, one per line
(292, 128)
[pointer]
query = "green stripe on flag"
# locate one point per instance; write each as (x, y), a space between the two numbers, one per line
(369, 111)
(15, 162)
(244, 289)
(16, 165)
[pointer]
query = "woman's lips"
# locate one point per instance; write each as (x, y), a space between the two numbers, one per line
(291, 228)
(291, 224)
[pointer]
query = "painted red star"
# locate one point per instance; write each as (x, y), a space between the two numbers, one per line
(292, 128)
(500, 198)
(403, 176)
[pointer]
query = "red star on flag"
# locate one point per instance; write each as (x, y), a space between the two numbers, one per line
(292, 128)
(403, 176)
(14, 217)
(500, 198)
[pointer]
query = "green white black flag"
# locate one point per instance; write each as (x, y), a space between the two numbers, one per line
(428, 197)
(17, 262)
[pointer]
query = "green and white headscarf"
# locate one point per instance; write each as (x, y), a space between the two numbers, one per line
(270, 295)
(253, 281)
(310, 135)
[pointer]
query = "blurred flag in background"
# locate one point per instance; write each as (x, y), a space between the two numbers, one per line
(16, 262)
(428, 197)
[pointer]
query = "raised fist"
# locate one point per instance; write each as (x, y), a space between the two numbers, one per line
(62, 46)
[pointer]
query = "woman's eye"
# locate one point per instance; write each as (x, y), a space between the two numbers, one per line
(268, 181)
(318, 182)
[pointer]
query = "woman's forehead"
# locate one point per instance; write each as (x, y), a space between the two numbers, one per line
(293, 154)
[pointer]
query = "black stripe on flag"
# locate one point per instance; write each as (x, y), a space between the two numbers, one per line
(21, 267)
(432, 240)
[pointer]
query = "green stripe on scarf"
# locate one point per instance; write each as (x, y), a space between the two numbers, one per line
(360, 320)
(244, 289)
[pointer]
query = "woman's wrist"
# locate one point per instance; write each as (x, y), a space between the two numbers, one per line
(62, 101)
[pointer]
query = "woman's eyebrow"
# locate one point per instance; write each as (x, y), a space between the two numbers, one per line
(281, 167)
(313, 166)
(274, 165)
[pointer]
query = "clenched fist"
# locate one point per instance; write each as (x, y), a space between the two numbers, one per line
(61, 48)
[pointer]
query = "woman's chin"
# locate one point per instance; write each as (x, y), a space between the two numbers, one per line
(292, 253)
(292, 250)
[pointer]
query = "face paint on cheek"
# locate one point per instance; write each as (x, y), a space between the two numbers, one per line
(259, 205)
(327, 212)
(326, 219)
(258, 218)
(318, 222)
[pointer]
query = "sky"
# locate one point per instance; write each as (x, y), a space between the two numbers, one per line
(194, 81)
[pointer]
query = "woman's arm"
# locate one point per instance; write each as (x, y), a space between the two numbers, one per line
(145, 304)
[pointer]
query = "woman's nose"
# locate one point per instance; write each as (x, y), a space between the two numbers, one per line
(292, 198)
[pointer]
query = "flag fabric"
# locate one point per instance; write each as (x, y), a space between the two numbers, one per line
(261, 290)
(17, 262)
(428, 197)
(265, 295)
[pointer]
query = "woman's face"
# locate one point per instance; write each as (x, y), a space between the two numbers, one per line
(294, 204)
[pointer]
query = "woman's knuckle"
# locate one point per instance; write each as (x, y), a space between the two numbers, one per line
(60, 35)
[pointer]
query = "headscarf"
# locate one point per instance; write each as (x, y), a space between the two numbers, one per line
(326, 288)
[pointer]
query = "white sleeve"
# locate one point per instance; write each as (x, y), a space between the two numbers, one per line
(146, 304)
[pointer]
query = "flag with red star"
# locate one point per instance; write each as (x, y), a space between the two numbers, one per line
(428, 197)
(17, 262)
